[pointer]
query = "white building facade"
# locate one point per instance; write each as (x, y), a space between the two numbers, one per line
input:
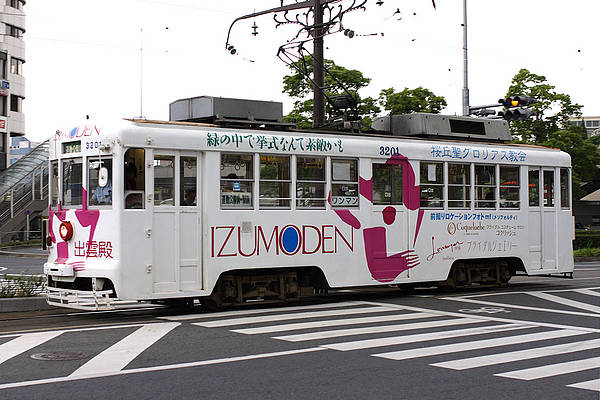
(12, 82)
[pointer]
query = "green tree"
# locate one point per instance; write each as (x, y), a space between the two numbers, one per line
(299, 87)
(411, 100)
(550, 127)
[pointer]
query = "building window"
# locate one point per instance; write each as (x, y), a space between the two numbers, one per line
(485, 186)
(344, 183)
(565, 188)
(387, 184)
(509, 187)
(274, 184)
(18, 4)
(432, 185)
(16, 66)
(188, 174)
(534, 187)
(237, 179)
(459, 186)
(3, 104)
(310, 182)
(3, 58)
(14, 31)
(16, 103)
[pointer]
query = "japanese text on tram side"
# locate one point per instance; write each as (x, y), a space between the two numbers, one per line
(471, 216)
(93, 249)
(269, 142)
(461, 153)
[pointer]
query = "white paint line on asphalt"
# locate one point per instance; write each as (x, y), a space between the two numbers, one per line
(160, 368)
(478, 344)
(421, 337)
(487, 318)
(566, 302)
(587, 292)
(332, 322)
(594, 384)
(376, 329)
(497, 293)
(117, 356)
(283, 317)
(79, 329)
(24, 343)
(547, 371)
(506, 305)
(260, 311)
(512, 356)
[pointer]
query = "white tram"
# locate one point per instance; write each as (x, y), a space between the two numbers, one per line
(151, 210)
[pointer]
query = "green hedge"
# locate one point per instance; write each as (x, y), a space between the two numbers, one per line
(586, 239)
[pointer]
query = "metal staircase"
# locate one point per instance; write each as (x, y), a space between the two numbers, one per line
(24, 195)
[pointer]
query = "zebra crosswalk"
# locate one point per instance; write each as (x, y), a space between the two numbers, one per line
(426, 329)
(510, 348)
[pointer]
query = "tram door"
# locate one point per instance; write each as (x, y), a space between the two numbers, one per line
(542, 219)
(176, 228)
(549, 225)
(534, 222)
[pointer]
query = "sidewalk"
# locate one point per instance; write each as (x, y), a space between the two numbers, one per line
(32, 252)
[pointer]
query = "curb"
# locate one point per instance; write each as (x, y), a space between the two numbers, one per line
(24, 304)
(19, 254)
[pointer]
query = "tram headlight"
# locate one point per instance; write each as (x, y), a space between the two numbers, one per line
(66, 230)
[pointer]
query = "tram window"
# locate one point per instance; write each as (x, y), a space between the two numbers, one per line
(72, 182)
(310, 182)
(237, 178)
(99, 195)
(432, 185)
(387, 184)
(534, 187)
(564, 188)
(485, 186)
(274, 183)
(459, 186)
(164, 180)
(344, 183)
(549, 188)
(54, 183)
(134, 178)
(188, 173)
(509, 187)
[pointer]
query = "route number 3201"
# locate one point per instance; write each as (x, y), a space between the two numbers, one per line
(92, 145)
(389, 151)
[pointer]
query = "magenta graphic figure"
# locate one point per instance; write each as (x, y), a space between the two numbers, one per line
(384, 267)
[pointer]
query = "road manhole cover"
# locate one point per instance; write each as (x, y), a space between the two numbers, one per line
(59, 356)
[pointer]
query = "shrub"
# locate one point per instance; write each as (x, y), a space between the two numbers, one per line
(20, 285)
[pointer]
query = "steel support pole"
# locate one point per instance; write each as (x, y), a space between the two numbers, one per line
(318, 78)
(465, 93)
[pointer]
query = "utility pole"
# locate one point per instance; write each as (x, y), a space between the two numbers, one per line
(465, 92)
(318, 76)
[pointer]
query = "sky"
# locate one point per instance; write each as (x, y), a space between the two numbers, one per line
(83, 57)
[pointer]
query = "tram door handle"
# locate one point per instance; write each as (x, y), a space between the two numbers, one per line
(148, 232)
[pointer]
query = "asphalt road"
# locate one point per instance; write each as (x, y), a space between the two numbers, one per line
(538, 337)
(21, 265)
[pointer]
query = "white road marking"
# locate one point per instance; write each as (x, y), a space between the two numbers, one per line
(500, 293)
(565, 301)
(484, 361)
(491, 303)
(547, 371)
(587, 292)
(479, 344)
(259, 311)
(159, 368)
(421, 337)
(283, 317)
(117, 356)
(23, 343)
(332, 322)
(79, 329)
(375, 329)
(594, 384)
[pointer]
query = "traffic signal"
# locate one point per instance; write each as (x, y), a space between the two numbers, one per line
(517, 114)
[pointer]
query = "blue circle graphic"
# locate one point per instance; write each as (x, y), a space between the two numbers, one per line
(73, 132)
(290, 239)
